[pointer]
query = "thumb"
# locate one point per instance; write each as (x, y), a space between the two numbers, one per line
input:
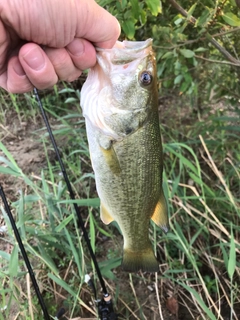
(96, 24)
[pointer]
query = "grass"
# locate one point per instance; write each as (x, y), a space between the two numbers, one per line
(199, 257)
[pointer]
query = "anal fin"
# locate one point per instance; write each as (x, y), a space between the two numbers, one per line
(160, 214)
(105, 215)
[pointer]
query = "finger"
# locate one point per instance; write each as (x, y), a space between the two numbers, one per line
(37, 66)
(83, 53)
(4, 42)
(70, 61)
(16, 79)
(67, 64)
(96, 24)
(63, 64)
(3, 80)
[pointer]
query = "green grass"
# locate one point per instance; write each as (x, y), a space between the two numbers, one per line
(199, 257)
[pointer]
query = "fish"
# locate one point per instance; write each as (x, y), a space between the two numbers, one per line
(119, 101)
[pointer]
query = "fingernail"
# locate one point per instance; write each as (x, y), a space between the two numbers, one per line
(35, 59)
(119, 27)
(76, 47)
(18, 69)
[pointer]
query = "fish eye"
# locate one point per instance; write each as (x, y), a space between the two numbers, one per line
(145, 78)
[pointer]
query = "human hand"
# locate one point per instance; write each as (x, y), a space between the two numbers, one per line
(43, 41)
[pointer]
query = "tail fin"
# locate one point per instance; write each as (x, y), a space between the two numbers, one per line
(145, 260)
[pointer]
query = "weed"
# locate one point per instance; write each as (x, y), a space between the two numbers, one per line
(198, 257)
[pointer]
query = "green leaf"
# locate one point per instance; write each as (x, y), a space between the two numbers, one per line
(9, 156)
(5, 170)
(195, 178)
(187, 53)
(189, 164)
(143, 17)
(178, 79)
(201, 49)
(195, 236)
(46, 259)
(66, 90)
(94, 202)
(63, 284)
(70, 100)
(233, 3)
(107, 266)
(167, 55)
(13, 264)
(232, 257)
(204, 18)
(123, 4)
(184, 87)
(191, 10)
(64, 223)
(199, 299)
(231, 19)
(29, 198)
(5, 255)
(135, 8)
(129, 28)
(21, 215)
(76, 253)
(92, 231)
(178, 21)
(155, 6)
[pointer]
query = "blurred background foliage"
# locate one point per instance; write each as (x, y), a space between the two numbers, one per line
(184, 33)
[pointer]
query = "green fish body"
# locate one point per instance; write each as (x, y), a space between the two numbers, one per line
(120, 104)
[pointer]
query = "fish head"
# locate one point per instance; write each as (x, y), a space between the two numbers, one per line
(127, 73)
(122, 81)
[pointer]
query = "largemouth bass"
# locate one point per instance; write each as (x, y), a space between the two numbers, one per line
(120, 104)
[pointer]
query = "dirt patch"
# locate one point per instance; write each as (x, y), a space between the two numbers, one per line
(20, 140)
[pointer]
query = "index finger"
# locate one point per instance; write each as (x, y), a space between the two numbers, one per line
(97, 25)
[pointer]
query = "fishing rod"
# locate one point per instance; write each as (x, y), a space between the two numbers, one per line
(105, 305)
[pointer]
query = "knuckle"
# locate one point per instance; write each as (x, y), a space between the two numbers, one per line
(71, 77)
(19, 88)
(45, 81)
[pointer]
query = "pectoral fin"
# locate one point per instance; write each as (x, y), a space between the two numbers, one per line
(111, 160)
(105, 215)
(160, 215)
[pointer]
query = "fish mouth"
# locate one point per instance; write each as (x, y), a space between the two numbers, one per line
(129, 45)
(125, 52)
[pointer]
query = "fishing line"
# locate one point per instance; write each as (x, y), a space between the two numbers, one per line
(105, 306)
(72, 196)
(24, 254)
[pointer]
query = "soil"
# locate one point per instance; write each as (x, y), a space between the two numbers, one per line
(20, 139)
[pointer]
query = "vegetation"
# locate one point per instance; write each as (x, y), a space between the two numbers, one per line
(197, 45)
